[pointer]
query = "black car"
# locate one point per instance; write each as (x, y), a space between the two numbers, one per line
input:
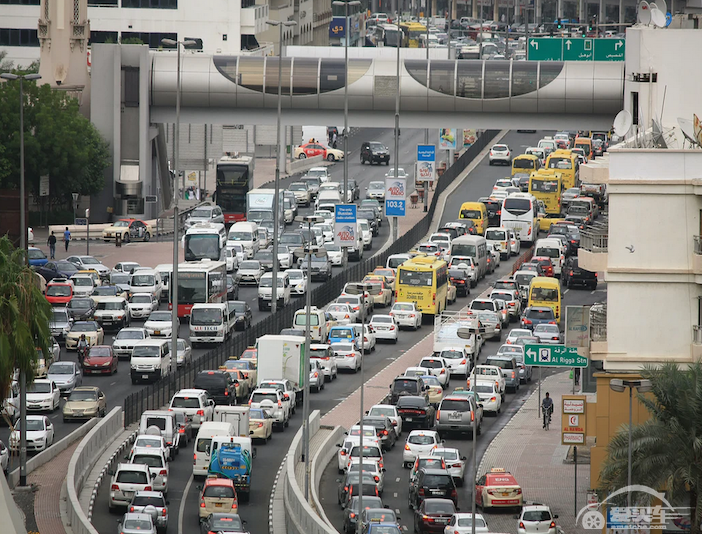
(494, 209)
(369, 215)
(572, 237)
(406, 385)
(266, 259)
(435, 483)
(416, 411)
(351, 481)
(222, 522)
(243, 314)
(352, 509)
(57, 269)
(81, 308)
(449, 230)
(461, 279)
(384, 430)
(577, 276)
(374, 152)
(219, 385)
(232, 288)
(433, 515)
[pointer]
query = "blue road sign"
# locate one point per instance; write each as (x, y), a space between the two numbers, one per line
(337, 27)
(345, 230)
(426, 153)
(395, 208)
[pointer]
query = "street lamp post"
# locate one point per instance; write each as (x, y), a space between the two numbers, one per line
(276, 211)
(397, 115)
(309, 220)
(642, 386)
(23, 246)
(176, 157)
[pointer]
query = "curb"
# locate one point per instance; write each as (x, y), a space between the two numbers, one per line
(271, 500)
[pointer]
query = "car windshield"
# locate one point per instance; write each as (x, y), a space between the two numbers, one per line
(80, 303)
(117, 278)
(343, 333)
(496, 235)
(109, 305)
(39, 387)
(151, 460)
(82, 281)
(249, 266)
(185, 402)
(523, 279)
(547, 328)
(130, 334)
(404, 385)
(61, 368)
(84, 327)
(536, 515)
(145, 500)
(379, 410)
(420, 440)
(431, 381)
(141, 299)
(146, 351)
(137, 524)
(82, 395)
(403, 307)
(228, 524)
(110, 291)
(160, 316)
(148, 442)
(206, 316)
(468, 522)
(59, 291)
(100, 351)
(342, 347)
(381, 319)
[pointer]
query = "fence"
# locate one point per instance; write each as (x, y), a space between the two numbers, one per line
(159, 393)
(593, 242)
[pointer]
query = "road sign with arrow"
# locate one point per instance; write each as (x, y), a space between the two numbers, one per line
(575, 49)
(553, 356)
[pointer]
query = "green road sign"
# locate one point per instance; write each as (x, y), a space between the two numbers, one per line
(553, 356)
(575, 49)
(578, 50)
(609, 49)
(545, 49)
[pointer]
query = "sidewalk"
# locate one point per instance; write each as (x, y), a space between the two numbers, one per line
(536, 458)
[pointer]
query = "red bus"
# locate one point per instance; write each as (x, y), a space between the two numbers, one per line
(234, 179)
(200, 282)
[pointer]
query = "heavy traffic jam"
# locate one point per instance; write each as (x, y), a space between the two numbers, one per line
(537, 213)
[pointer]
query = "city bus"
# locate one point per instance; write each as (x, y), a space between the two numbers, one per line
(547, 187)
(234, 179)
(200, 282)
(519, 213)
(411, 33)
(424, 281)
(385, 35)
(566, 163)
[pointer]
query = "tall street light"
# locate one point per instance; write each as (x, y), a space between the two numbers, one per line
(176, 157)
(23, 246)
(309, 220)
(23, 224)
(398, 43)
(642, 386)
(276, 208)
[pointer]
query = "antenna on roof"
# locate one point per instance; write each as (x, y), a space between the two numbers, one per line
(688, 130)
(622, 123)
(643, 13)
(657, 16)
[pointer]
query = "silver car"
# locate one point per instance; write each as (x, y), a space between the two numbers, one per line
(60, 322)
(66, 375)
(185, 353)
(152, 503)
(205, 214)
(548, 333)
(500, 153)
(250, 272)
(136, 523)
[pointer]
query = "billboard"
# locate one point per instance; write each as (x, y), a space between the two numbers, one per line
(447, 138)
(345, 227)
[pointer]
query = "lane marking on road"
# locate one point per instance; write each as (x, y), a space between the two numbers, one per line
(394, 495)
(397, 479)
(181, 510)
(113, 383)
(566, 291)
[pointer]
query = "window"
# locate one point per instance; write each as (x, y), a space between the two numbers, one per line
(416, 278)
(549, 72)
(418, 70)
(16, 37)
(496, 79)
(470, 79)
(103, 3)
(20, 2)
(441, 77)
(523, 77)
(151, 39)
(151, 4)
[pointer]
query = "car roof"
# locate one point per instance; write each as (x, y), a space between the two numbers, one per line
(434, 471)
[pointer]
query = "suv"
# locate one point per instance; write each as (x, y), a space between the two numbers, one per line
(455, 414)
(537, 315)
(195, 404)
(219, 385)
(205, 214)
(113, 312)
(416, 410)
(406, 385)
(510, 370)
(60, 322)
(575, 275)
(434, 483)
(374, 152)
(126, 480)
(142, 499)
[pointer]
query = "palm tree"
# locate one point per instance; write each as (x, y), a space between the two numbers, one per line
(24, 317)
(667, 448)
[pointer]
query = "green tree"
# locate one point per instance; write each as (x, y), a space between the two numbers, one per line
(59, 141)
(667, 448)
(24, 316)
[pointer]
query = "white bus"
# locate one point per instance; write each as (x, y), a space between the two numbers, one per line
(519, 214)
(474, 246)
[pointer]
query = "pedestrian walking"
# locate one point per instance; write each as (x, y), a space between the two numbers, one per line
(66, 237)
(52, 245)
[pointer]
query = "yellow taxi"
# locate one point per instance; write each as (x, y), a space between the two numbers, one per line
(435, 391)
(388, 273)
(94, 334)
(260, 424)
(380, 291)
(218, 495)
(128, 230)
(93, 274)
(498, 489)
(247, 369)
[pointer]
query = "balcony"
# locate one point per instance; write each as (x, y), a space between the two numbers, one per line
(697, 255)
(592, 254)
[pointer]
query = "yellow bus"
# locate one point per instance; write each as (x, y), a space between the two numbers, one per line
(547, 187)
(546, 291)
(566, 163)
(424, 281)
(411, 33)
(526, 163)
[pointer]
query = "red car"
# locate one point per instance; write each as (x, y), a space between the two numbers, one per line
(310, 150)
(100, 360)
(546, 264)
(432, 515)
(59, 293)
(498, 488)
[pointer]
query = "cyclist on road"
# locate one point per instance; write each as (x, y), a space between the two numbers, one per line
(547, 408)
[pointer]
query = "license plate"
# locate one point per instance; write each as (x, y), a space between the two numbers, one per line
(408, 419)
(442, 520)
(218, 505)
(129, 494)
(144, 377)
(454, 417)
(157, 332)
(436, 492)
(505, 494)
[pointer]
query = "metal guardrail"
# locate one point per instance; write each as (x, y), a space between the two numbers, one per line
(159, 393)
(697, 244)
(594, 241)
(598, 322)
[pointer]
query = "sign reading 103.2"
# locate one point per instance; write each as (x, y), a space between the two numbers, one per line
(553, 356)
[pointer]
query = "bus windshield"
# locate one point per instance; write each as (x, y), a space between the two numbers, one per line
(191, 288)
(416, 278)
(202, 246)
(517, 206)
(544, 186)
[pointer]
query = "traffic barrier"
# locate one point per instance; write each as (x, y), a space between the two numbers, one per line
(300, 165)
(322, 457)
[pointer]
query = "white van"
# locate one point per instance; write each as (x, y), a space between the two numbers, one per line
(330, 196)
(244, 233)
(166, 422)
(318, 323)
(146, 281)
(265, 290)
(211, 323)
(553, 248)
(355, 252)
(500, 237)
(151, 359)
(474, 246)
(395, 260)
(165, 270)
(236, 415)
(203, 443)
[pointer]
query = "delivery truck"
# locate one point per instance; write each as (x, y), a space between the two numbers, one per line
(238, 416)
(446, 327)
(281, 358)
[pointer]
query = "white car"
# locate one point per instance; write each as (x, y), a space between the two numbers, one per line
(368, 337)
(466, 262)
(326, 215)
(83, 285)
(43, 395)
(159, 324)
(250, 272)
(536, 519)
(316, 376)
(342, 313)
(511, 299)
(141, 305)
(494, 250)
(157, 463)
(462, 523)
(366, 234)
(419, 443)
(336, 254)
(500, 154)
(40, 434)
(443, 240)
(400, 173)
(458, 361)
(430, 249)
(489, 396)
(327, 231)
(125, 340)
(350, 441)
(514, 245)
(515, 334)
(385, 327)
(407, 315)
(455, 463)
(389, 411)
(355, 302)
(436, 366)
(323, 354)
(271, 400)
(347, 356)
(239, 250)
(372, 452)
(548, 334)
(289, 396)
(231, 258)
(298, 281)
(285, 256)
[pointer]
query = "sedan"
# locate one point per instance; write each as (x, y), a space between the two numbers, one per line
(342, 313)
(223, 522)
(40, 434)
(81, 308)
(455, 463)
(500, 154)
(57, 269)
(301, 192)
(36, 257)
(385, 327)
(298, 281)
(141, 305)
(159, 324)
(89, 262)
(310, 150)
(94, 334)
(419, 442)
(352, 509)
(376, 190)
(101, 359)
(133, 523)
(462, 523)
(437, 367)
(347, 356)
(260, 424)
(185, 353)
(43, 395)
(407, 315)
(85, 402)
(250, 272)
(66, 375)
(432, 515)
(548, 333)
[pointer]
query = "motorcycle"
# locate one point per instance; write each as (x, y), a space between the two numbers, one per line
(82, 353)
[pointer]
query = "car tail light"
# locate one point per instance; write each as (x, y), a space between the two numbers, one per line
(115, 487)
(201, 412)
(555, 338)
(421, 491)
(181, 430)
(163, 472)
(497, 384)
(412, 315)
(521, 525)
(163, 512)
(443, 372)
(394, 423)
(194, 459)
(355, 308)
(226, 393)
(407, 447)
(438, 414)
(202, 504)
(147, 488)
(392, 327)
(552, 322)
(526, 321)
(260, 425)
(513, 371)
(343, 452)
(463, 361)
(352, 515)
(249, 402)
(433, 297)
(519, 491)
(280, 403)
(376, 478)
(235, 505)
(493, 399)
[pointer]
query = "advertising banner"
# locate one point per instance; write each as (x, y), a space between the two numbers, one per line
(345, 225)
